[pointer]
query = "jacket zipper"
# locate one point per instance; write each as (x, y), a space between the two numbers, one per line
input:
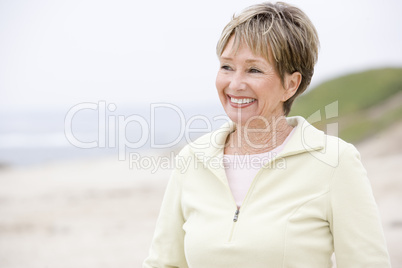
(236, 215)
(235, 218)
(237, 212)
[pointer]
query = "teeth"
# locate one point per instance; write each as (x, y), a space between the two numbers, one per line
(241, 101)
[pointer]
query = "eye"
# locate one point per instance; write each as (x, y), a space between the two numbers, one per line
(226, 67)
(254, 70)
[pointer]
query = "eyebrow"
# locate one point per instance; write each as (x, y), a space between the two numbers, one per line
(247, 61)
(226, 58)
(254, 61)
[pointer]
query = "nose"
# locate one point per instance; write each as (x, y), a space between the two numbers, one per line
(237, 81)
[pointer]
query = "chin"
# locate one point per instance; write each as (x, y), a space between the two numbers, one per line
(240, 116)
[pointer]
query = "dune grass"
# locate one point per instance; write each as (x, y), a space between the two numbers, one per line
(356, 94)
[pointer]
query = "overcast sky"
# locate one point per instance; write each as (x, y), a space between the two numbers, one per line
(60, 53)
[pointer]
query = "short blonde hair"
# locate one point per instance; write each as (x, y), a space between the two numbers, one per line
(280, 29)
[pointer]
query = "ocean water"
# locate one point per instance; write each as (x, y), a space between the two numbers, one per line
(97, 129)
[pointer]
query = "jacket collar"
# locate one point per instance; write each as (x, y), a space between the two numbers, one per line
(305, 138)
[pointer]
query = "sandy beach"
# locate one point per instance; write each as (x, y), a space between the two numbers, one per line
(101, 213)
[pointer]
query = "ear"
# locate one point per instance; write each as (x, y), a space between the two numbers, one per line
(292, 83)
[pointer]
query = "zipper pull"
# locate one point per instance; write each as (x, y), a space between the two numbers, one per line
(236, 215)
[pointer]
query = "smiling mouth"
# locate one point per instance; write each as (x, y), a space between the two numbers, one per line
(240, 102)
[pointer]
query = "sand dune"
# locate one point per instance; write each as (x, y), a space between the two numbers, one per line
(96, 213)
(100, 213)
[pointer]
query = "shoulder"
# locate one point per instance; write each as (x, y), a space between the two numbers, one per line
(307, 139)
(347, 169)
(341, 150)
(338, 146)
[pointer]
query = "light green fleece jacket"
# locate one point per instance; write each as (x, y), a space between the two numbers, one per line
(311, 200)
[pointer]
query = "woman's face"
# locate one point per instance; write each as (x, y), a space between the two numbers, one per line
(248, 86)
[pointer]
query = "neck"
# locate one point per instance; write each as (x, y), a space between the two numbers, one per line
(258, 137)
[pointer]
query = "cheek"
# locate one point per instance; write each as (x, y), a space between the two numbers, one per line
(220, 83)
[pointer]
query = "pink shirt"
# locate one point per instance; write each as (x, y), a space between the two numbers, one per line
(241, 169)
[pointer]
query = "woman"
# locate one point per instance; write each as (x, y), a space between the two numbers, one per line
(266, 190)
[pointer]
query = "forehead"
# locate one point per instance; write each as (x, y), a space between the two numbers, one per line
(238, 47)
